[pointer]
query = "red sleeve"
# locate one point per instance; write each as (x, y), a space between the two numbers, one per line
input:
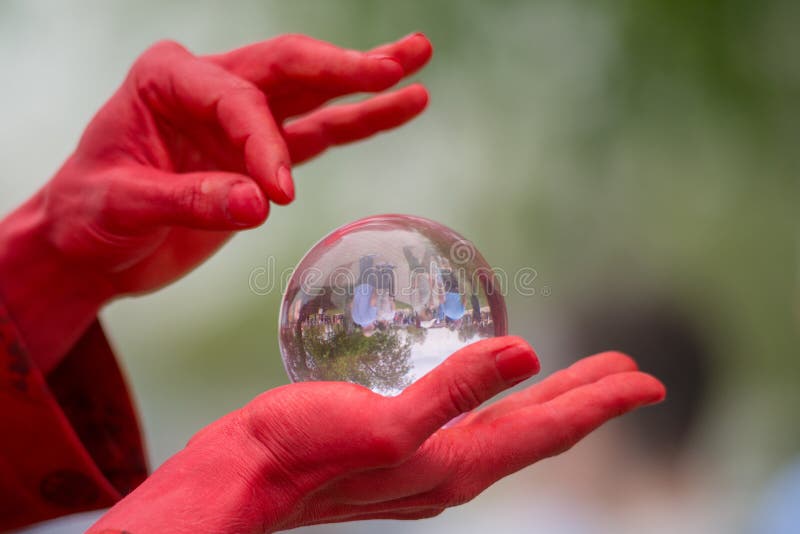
(69, 442)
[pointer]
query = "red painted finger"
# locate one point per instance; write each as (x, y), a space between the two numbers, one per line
(441, 457)
(295, 62)
(204, 200)
(427, 469)
(437, 460)
(411, 52)
(457, 464)
(528, 435)
(246, 118)
(583, 372)
(337, 125)
(461, 383)
(185, 89)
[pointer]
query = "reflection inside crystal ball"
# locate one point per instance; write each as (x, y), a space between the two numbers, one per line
(383, 300)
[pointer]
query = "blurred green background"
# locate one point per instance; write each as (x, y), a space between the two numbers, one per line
(621, 149)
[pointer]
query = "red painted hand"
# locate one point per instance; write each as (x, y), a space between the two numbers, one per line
(327, 452)
(187, 151)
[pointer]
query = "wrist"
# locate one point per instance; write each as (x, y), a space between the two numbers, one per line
(50, 299)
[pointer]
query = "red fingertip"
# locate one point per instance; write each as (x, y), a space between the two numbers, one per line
(285, 183)
(246, 205)
(656, 390)
(423, 46)
(418, 96)
(517, 363)
(633, 389)
(416, 52)
(412, 51)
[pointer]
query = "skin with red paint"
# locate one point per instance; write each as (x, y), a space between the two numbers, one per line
(188, 150)
(194, 148)
(292, 457)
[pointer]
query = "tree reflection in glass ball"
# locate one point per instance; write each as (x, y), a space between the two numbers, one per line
(383, 300)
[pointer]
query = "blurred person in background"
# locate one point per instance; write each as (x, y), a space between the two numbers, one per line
(644, 471)
(190, 150)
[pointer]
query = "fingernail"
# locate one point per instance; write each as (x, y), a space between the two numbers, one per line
(516, 363)
(245, 205)
(285, 183)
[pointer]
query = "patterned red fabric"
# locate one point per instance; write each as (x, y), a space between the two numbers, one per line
(69, 442)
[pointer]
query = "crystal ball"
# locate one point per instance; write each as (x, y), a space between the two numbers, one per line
(383, 300)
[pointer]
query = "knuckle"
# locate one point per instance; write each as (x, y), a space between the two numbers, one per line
(193, 200)
(166, 45)
(288, 47)
(242, 91)
(157, 51)
(256, 421)
(255, 414)
(463, 396)
(105, 209)
(290, 41)
(148, 70)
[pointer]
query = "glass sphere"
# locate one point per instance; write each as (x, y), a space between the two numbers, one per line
(383, 300)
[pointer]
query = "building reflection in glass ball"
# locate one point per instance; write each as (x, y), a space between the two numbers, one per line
(383, 300)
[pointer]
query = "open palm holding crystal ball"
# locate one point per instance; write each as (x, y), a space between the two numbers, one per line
(383, 300)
